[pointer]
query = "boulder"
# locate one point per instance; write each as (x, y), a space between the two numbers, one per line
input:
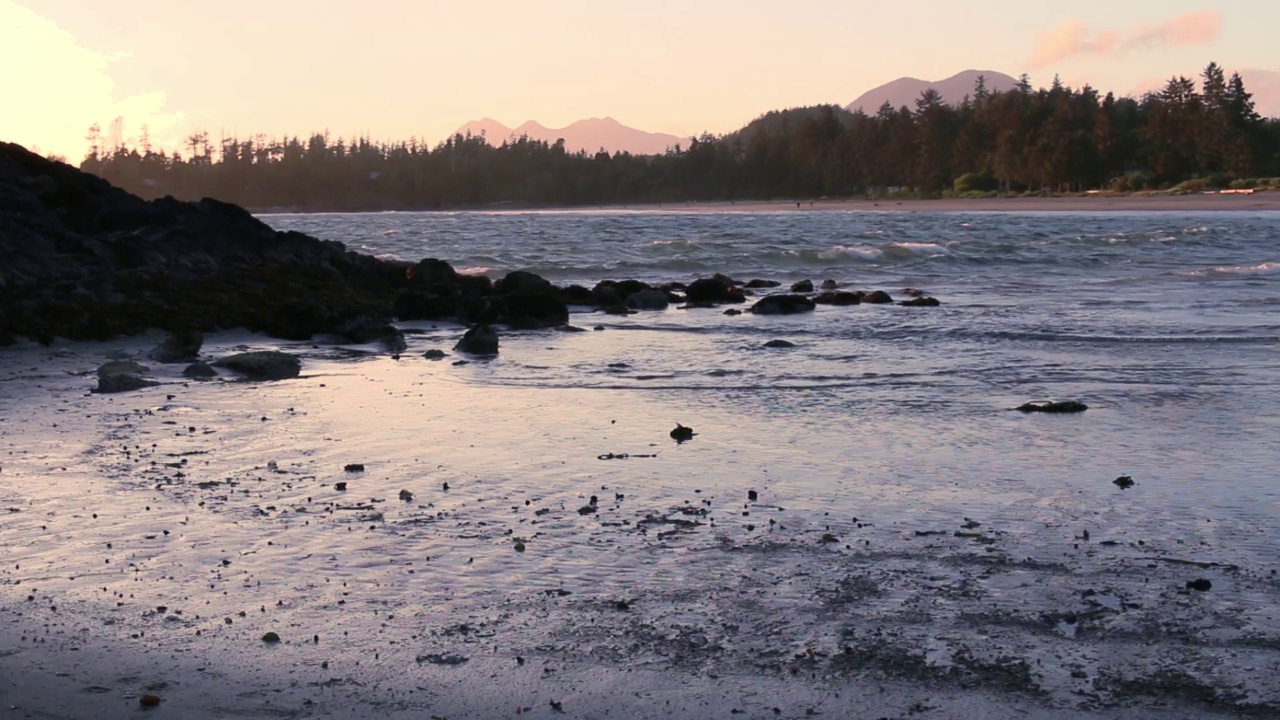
(648, 299)
(262, 365)
(921, 302)
(432, 273)
(838, 298)
(520, 282)
(182, 346)
(782, 305)
(757, 283)
(713, 290)
(199, 371)
(365, 330)
(802, 287)
(830, 284)
(877, 297)
(606, 293)
(479, 340)
(779, 344)
(122, 376)
(415, 304)
(577, 295)
(435, 354)
(526, 311)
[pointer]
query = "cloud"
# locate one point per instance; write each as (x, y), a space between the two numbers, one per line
(1072, 38)
(54, 89)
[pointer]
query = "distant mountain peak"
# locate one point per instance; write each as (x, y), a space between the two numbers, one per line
(906, 90)
(589, 135)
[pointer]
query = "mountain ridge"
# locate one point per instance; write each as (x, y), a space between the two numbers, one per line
(906, 90)
(588, 135)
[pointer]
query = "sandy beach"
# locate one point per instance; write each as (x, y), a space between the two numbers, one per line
(155, 537)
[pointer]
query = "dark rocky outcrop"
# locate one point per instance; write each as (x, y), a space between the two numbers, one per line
(782, 305)
(921, 302)
(715, 289)
(479, 340)
(182, 346)
(262, 365)
(802, 286)
(648, 299)
(839, 297)
(877, 297)
(122, 376)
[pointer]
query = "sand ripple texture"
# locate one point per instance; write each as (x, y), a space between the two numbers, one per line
(906, 561)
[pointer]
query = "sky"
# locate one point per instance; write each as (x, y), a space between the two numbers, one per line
(395, 69)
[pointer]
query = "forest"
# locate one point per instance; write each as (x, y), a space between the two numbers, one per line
(1187, 136)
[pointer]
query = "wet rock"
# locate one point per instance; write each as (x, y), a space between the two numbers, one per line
(435, 354)
(527, 310)
(577, 295)
(122, 376)
(479, 340)
(682, 433)
(912, 292)
(270, 637)
(340, 486)
(733, 311)
(521, 282)
(716, 289)
(178, 347)
(877, 297)
(921, 302)
(779, 344)
(757, 283)
(441, 659)
(353, 468)
(1124, 482)
(406, 496)
(829, 284)
(752, 495)
(1053, 406)
(782, 305)
(199, 371)
(1200, 585)
(838, 298)
(587, 509)
(432, 273)
(149, 701)
(262, 365)
(365, 330)
(802, 287)
(649, 299)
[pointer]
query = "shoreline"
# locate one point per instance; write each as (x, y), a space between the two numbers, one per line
(1265, 201)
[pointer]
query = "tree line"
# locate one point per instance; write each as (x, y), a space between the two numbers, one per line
(1056, 139)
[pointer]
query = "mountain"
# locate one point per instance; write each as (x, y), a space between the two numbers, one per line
(905, 91)
(589, 135)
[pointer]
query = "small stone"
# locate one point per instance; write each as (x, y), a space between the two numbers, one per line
(1200, 585)
(340, 487)
(779, 344)
(354, 468)
(752, 495)
(149, 700)
(519, 546)
(1124, 482)
(406, 496)
(682, 433)
(270, 637)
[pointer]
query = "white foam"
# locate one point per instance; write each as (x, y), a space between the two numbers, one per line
(862, 252)
(922, 248)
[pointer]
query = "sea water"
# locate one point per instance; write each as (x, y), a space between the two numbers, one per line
(862, 510)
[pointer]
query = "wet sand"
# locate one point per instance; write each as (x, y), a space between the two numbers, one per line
(154, 537)
(1257, 202)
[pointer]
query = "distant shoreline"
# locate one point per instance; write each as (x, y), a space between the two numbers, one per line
(1268, 201)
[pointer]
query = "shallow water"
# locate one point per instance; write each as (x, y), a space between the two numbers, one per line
(882, 435)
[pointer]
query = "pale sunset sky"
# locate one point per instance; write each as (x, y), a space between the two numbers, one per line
(399, 68)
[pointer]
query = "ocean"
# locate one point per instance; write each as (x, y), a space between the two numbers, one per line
(862, 525)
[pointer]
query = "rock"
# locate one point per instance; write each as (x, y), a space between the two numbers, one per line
(122, 376)
(520, 282)
(577, 295)
(1200, 585)
(365, 330)
(838, 298)
(199, 371)
(758, 283)
(1059, 406)
(178, 347)
(340, 486)
(830, 284)
(149, 701)
(779, 344)
(803, 286)
(262, 365)
(479, 340)
(877, 297)
(713, 290)
(782, 305)
(733, 311)
(406, 496)
(912, 292)
(270, 637)
(648, 299)
(682, 433)
(353, 468)
(432, 273)
(752, 495)
(527, 311)
(1124, 482)
(435, 354)
(921, 302)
